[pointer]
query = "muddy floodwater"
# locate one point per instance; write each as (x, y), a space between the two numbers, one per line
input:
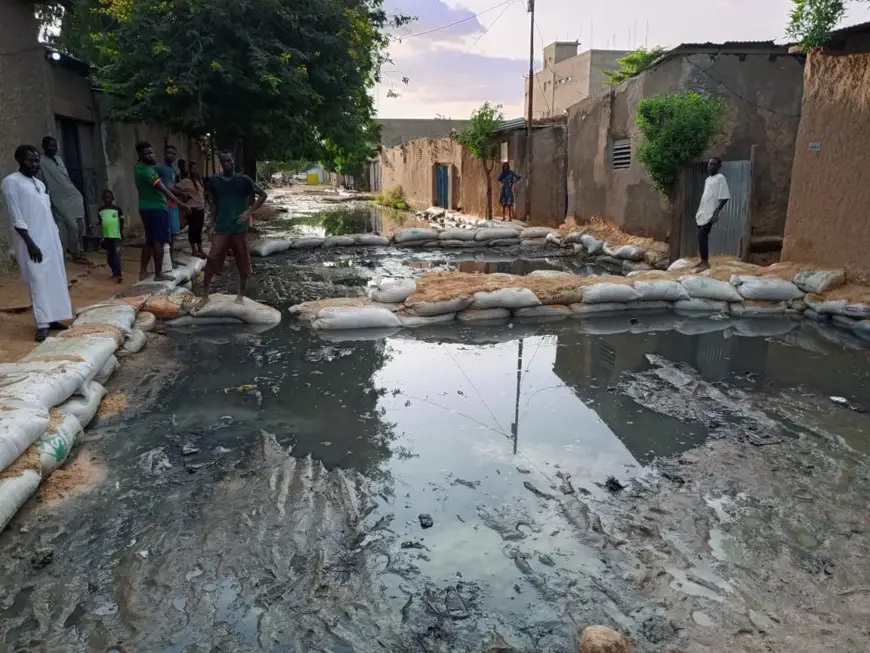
(465, 489)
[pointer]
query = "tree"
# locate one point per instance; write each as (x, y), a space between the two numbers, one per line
(677, 129)
(632, 64)
(477, 136)
(811, 21)
(281, 79)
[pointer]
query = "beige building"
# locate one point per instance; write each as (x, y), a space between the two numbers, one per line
(568, 77)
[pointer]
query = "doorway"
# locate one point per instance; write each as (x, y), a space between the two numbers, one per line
(442, 186)
(76, 144)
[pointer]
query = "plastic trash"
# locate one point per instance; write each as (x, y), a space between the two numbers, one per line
(363, 317)
(509, 298)
(818, 281)
(768, 289)
(84, 406)
(415, 321)
(482, 315)
(270, 246)
(428, 309)
(661, 290)
(42, 383)
(707, 288)
(54, 446)
(20, 427)
(135, 342)
(311, 242)
(14, 491)
(394, 290)
(601, 293)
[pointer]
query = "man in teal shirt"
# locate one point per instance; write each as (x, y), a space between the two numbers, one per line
(230, 195)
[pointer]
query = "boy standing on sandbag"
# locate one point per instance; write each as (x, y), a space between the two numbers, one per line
(230, 199)
(716, 195)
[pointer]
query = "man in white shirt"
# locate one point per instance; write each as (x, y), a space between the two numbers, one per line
(37, 243)
(715, 196)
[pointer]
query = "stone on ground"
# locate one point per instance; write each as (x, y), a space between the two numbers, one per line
(601, 639)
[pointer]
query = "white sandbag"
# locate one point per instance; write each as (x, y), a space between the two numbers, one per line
(456, 234)
(548, 311)
(136, 341)
(94, 351)
(536, 232)
(861, 328)
(552, 273)
(120, 315)
(796, 305)
(496, 233)
(843, 322)
(428, 309)
(533, 242)
(701, 306)
(765, 289)
(775, 325)
(338, 241)
(629, 267)
(707, 288)
(554, 239)
(270, 246)
(21, 425)
(415, 234)
(660, 290)
(626, 252)
(14, 491)
(106, 372)
(415, 321)
(757, 309)
(249, 311)
(54, 446)
(818, 281)
(815, 316)
(607, 293)
(591, 244)
(456, 244)
(308, 242)
(145, 321)
(371, 240)
(502, 242)
(680, 264)
(858, 311)
(826, 306)
(43, 383)
(509, 298)
(394, 290)
(345, 317)
(84, 406)
(150, 287)
(390, 306)
(482, 315)
(180, 275)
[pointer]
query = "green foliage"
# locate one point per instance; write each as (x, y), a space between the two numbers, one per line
(677, 129)
(632, 64)
(393, 198)
(811, 21)
(477, 135)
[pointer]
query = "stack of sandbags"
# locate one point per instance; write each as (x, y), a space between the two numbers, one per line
(415, 237)
(228, 309)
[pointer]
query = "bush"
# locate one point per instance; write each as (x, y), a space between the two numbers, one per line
(677, 129)
(393, 198)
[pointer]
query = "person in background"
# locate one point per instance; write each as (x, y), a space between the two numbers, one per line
(507, 178)
(716, 195)
(67, 203)
(112, 222)
(193, 188)
(230, 195)
(154, 197)
(170, 178)
(37, 243)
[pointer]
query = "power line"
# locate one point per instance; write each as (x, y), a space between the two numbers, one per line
(543, 93)
(458, 22)
(486, 29)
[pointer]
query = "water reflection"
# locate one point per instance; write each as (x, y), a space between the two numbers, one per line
(348, 218)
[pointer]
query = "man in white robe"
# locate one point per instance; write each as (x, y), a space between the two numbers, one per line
(37, 243)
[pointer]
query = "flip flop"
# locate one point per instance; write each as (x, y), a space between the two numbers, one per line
(57, 326)
(41, 334)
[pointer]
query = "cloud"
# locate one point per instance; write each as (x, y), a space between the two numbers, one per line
(432, 15)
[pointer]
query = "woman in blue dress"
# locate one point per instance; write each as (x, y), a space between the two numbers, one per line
(507, 178)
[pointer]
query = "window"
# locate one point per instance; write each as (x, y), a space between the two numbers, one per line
(621, 154)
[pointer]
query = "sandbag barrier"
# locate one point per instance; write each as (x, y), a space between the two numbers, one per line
(48, 397)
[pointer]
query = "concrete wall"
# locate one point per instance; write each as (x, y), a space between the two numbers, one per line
(828, 219)
(763, 92)
(395, 131)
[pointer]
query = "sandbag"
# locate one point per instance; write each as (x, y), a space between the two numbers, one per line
(120, 316)
(169, 307)
(861, 328)
(757, 309)
(85, 405)
(21, 425)
(603, 308)
(135, 342)
(270, 246)
(564, 296)
(415, 234)
(450, 244)
(145, 321)
(858, 311)
(772, 325)
(818, 281)
(843, 322)
(371, 240)
(696, 306)
(345, 317)
(496, 233)
(769, 289)
(826, 306)
(680, 264)
(554, 239)
(626, 252)
(149, 288)
(707, 288)
(548, 311)
(551, 273)
(428, 309)
(628, 267)
(591, 244)
(502, 242)
(533, 242)
(815, 316)
(660, 290)
(456, 234)
(482, 315)
(394, 290)
(308, 242)
(14, 491)
(338, 241)
(607, 293)
(415, 321)
(43, 383)
(249, 312)
(536, 232)
(94, 351)
(54, 446)
(509, 298)
(307, 311)
(105, 373)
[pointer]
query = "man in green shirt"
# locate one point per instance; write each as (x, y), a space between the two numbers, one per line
(230, 197)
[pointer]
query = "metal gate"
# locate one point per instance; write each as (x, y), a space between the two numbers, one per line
(442, 186)
(728, 236)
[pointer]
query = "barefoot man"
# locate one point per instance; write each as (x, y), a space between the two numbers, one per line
(713, 200)
(230, 195)
(37, 243)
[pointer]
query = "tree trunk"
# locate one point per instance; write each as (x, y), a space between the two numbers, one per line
(488, 171)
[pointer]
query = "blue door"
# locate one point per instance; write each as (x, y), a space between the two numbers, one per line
(442, 186)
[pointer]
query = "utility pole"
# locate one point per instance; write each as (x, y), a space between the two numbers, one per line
(531, 10)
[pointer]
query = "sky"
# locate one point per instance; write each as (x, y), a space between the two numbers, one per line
(453, 71)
